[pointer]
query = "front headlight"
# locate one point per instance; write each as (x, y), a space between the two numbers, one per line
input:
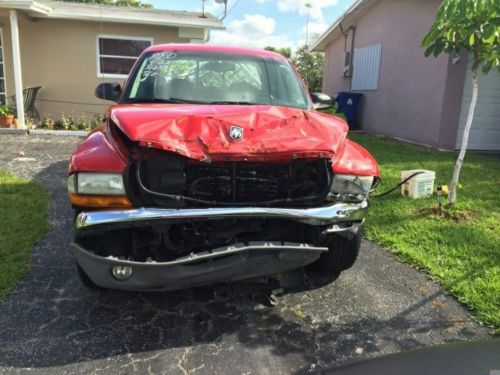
(351, 187)
(96, 183)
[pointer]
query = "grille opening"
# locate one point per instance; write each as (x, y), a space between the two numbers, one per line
(188, 183)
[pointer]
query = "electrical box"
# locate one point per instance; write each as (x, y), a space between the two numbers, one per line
(347, 64)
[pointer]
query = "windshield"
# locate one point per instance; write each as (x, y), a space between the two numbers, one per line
(214, 78)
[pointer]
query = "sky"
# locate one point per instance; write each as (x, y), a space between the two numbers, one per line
(261, 23)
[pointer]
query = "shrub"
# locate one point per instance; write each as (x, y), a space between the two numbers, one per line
(68, 122)
(333, 111)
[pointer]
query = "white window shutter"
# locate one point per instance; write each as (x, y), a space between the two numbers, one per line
(366, 68)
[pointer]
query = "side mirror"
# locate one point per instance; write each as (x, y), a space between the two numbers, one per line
(321, 101)
(109, 91)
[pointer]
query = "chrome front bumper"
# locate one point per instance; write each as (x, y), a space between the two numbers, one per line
(229, 263)
(335, 213)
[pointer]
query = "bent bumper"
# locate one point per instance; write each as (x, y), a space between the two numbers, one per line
(229, 263)
(331, 214)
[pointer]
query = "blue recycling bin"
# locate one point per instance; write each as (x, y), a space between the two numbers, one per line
(348, 103)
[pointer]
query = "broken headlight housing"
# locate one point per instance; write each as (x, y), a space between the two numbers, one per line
(353, 188)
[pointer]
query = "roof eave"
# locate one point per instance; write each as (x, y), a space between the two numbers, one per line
(346, 19)
(29, 5)
(323, 40)
(38, 9)
(133, 20)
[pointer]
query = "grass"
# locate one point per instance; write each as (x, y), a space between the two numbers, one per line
(23, 222)
(463, 250)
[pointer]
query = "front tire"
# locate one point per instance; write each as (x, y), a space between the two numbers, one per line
(341, 255)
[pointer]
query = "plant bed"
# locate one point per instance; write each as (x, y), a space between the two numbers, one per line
(69, 123)
(458, 216)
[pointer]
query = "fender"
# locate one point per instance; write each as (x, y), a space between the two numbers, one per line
(355, 159)
(97, 153)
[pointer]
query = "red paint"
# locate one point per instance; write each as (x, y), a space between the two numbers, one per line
(201, 131)
(270, 133)
(216, 49)
(97, 153)
(355, 159)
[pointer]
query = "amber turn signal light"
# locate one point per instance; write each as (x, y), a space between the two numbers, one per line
(100, 201)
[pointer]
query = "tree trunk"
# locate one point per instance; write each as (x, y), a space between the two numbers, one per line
(465, 139)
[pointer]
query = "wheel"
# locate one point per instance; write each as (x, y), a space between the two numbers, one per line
(86, 281)
(341, 255)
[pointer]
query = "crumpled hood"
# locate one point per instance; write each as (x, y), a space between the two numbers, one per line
(202, 132)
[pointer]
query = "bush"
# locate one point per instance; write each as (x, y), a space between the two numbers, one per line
(68, 122)
(333, 111)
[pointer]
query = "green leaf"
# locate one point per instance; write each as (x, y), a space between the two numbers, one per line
(450, 35)
(449, 9)
(471, 25)
(463, 9)
(472, 39)
(438, 48)
(487, 67)
(429, 50)
(430, 36)
(488, 31)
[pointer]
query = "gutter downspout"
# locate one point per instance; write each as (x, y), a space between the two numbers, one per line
(351, 51)
(18, 78)
(351, 63)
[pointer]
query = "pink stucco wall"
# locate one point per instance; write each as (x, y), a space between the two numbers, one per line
(412, 89)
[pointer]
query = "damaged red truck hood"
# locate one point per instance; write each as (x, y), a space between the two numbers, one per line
(202, 132)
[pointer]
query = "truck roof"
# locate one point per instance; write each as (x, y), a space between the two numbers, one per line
(216, 49)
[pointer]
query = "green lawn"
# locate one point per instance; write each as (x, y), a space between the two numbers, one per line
(462, 252)
(23, 222)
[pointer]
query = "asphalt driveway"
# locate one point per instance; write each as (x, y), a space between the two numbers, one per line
(52, 324)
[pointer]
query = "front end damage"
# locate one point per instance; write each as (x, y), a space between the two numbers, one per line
(166, 249)
(166, 214)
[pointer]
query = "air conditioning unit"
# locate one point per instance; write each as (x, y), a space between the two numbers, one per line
(347, 64)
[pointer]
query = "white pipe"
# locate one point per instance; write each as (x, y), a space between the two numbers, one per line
(18, 77)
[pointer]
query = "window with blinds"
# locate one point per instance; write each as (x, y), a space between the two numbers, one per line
(116, 55)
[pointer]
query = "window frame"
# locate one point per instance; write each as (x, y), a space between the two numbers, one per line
(117, 37)
(2, 52)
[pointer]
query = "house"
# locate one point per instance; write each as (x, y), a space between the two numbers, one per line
(69, 48)
(374, 48)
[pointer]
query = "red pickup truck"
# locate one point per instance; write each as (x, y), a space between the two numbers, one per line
(214, 166)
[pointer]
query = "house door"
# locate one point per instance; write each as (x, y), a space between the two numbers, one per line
(3, 96)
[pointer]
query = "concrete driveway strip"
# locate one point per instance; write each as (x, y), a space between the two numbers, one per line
(52, 324)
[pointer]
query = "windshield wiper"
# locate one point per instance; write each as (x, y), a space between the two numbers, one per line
(159, 100)
(233, 102)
